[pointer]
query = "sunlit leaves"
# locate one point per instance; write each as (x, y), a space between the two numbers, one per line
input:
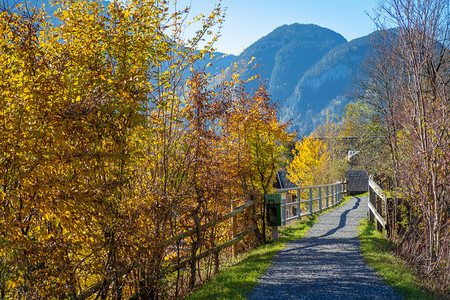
(311, 160)
(107, 151)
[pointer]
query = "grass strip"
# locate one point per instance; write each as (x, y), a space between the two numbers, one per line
(238, 280)
(378, 254)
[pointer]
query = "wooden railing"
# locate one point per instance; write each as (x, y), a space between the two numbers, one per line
(377, 205)
(298, 202)
(90, 291)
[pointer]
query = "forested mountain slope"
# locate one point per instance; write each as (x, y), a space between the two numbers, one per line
(309, 71)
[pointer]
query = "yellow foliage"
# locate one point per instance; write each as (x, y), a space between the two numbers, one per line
(310, 163)
(105, 153)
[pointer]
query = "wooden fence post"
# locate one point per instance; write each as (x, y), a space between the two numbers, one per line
(380, 211)
(320, 198)
(283, 209)
(386, 217)
(289, 199)
(275, 233)
(332, 195)
(310, 201)
(234, 227)
(299, 212)
(346, 188)
(370, 215)
(340, 192)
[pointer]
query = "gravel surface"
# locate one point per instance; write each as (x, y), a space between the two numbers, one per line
(326, 264)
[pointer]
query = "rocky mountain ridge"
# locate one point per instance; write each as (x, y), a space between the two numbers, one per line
(309, 70)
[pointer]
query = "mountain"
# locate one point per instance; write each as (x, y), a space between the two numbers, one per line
(309, 70)
(324, 87)
(287, 53)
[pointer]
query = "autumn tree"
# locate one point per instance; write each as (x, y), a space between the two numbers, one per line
(81, 103)
(113, 146)
(108, 156)
(361, 130)
(407, 85)
(310, 163)
(336, 164)
(266, 139)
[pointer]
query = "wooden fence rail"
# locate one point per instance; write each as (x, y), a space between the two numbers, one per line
(314, 198)
(88, 292)
(377, 205)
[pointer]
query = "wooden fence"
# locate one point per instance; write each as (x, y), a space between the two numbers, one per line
(298, 202)
(378, 205)
(309, 200)
(90, 291)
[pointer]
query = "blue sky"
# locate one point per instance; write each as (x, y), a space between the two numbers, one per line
(249, 20)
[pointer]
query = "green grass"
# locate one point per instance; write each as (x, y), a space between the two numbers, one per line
(378, 254)
(236, 281)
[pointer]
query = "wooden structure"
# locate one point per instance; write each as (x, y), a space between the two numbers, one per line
(308, 200)
(87, 293)
(357, 181)
(283, 182)
(377, 205)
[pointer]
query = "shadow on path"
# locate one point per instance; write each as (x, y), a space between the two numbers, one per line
(343, 219)
(323, 266)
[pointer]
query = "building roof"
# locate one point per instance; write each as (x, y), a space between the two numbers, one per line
(284, 181)
(357, 181)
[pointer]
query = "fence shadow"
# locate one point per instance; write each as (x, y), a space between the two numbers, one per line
(343, 219)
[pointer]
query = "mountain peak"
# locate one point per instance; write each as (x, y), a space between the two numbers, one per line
(309, 70)
(306, 29)
(288, 52)
(285, 34)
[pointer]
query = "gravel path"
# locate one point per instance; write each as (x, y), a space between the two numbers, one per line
(326, 264)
